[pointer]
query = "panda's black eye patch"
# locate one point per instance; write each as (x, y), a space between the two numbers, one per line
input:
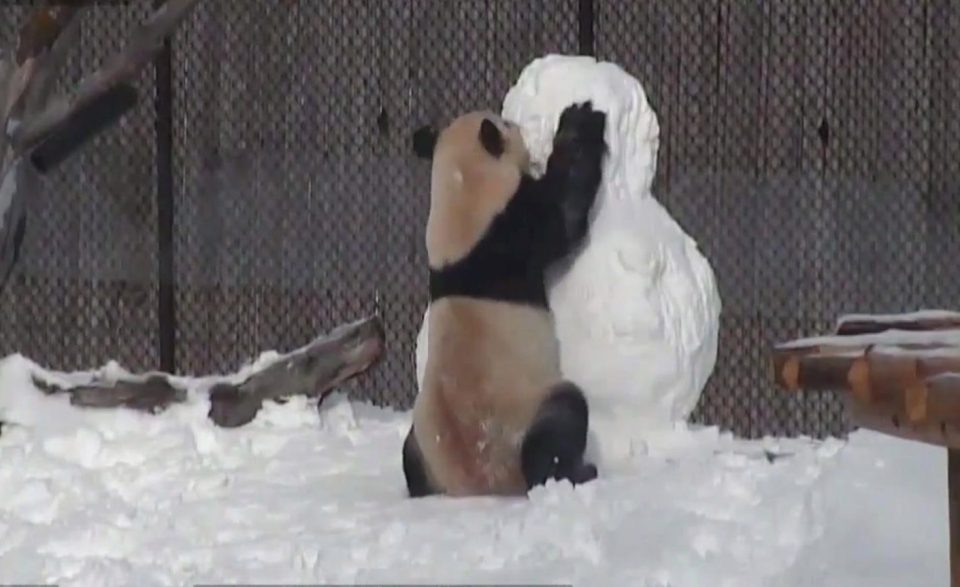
(491, 138)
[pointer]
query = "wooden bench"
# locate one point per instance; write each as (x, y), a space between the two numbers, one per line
(897, 374)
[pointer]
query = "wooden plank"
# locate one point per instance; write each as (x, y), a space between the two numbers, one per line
(893, 419)
(880, 368)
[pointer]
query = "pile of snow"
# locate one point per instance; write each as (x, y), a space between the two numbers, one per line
(637, 312)
(299, 496)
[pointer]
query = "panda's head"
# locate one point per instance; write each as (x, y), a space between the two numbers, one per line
(478, 162)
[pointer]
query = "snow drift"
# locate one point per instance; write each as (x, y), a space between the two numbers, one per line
(117, 497)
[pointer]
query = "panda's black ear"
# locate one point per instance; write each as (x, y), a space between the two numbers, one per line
(491, 138)
(425, 141)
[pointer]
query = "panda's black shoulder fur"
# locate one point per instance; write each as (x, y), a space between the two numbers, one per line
(544, 221)
(502, 266)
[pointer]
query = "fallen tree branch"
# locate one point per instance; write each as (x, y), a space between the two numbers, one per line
(13, 218)
(27, 75)
(313, 370)
(87, 121)
(153, 393)
(28, 72)
(56, 30)
(143, 46)
(28, 63)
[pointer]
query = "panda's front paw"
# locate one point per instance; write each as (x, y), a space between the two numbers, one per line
(582, 125)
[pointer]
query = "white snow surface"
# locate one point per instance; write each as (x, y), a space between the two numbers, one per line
(113, 497)
(637, 311)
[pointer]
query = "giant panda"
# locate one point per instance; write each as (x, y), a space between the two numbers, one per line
(494, 416)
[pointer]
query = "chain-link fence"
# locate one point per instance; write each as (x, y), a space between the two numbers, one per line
(809, 147)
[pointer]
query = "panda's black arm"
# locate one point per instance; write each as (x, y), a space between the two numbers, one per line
(566, 192)
(546, 220)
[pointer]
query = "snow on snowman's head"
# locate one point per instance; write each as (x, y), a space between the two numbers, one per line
(551, 83)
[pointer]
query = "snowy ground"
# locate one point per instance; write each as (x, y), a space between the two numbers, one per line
(116, 498)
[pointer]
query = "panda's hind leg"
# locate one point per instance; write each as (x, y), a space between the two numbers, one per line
(414, 469)
(554, 444)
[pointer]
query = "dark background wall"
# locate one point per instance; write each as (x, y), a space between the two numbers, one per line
(809, 147)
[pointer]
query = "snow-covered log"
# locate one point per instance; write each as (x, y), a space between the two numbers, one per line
(313, 370)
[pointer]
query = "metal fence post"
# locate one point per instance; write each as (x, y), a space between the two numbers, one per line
(166, 312)
(585, 28)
